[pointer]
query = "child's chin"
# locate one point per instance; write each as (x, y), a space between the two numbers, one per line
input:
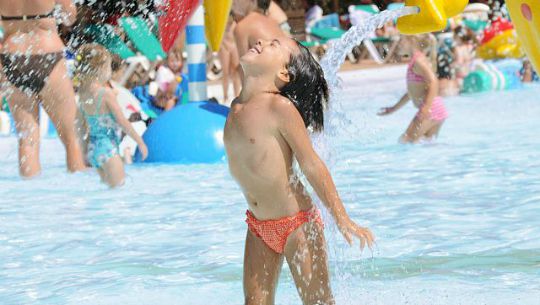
(248, 59)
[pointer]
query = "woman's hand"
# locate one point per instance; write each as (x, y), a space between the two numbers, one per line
(386, 111)
(351, 231)
(144, 151)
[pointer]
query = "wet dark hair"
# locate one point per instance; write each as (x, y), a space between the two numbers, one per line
(307, 88)
(116, 62)
(263, 4)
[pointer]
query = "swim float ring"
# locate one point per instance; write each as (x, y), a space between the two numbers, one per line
(493, 76)
(500, 41)
(526, 17)
(433, 15)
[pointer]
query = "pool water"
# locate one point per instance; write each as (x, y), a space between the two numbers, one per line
(456, 221)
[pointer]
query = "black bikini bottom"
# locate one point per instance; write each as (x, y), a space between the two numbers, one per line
(29, 73)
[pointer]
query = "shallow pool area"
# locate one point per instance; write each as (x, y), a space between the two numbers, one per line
(456, 221)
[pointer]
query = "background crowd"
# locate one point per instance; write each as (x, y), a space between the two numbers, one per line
(158, 80)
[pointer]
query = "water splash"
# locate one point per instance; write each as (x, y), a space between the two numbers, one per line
(335, 56)
(336, 122)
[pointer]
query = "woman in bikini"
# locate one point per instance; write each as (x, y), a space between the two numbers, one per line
(33, 63)
(283, 95)
(423, 90)
(228, 55)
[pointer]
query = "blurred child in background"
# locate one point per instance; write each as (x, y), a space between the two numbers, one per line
(102, 115)
(422, 89)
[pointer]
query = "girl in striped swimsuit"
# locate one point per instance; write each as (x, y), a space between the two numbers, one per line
(422, 89)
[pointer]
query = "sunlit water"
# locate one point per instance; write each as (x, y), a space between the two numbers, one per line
(457, 221)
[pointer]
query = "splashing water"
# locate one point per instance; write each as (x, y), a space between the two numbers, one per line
(336, 122)
(335, 56)
(335, 119)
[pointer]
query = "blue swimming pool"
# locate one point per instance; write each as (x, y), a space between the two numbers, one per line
(457, 221)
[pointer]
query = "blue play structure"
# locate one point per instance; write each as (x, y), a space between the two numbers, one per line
(142, 94)
(190, 133)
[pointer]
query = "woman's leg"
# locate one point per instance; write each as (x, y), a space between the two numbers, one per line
(305, 252)
(58, 99)
(261, 271)
(25, 111)
(112, 172)
(235, 65)
(224, 57)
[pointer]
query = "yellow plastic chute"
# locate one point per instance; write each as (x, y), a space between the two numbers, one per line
(525, 16)
(504, 45)
(215, 18)
(433, 15)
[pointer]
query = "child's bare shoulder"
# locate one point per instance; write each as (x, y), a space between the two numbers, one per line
(283, 107)
(109, 93)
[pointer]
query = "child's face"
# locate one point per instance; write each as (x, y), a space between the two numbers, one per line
(106, 71)
(174, 61)
(269, 56)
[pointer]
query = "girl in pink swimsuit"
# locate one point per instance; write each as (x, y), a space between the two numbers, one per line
(422, 89)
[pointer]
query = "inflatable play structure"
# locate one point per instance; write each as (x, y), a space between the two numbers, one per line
(500, 41)
(433, 15)
(494, 76)
(191, 132)
(525, 15)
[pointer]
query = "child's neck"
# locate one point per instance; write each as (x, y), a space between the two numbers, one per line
(253, 86)
(90, 86)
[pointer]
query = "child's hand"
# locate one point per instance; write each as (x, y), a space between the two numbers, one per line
(385, 111)
(144, 151)
(351, 230)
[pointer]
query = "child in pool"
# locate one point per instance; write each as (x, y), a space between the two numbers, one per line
(283, 96)
(102, 114)
(422, 89)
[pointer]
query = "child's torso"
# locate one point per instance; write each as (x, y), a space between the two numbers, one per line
(417, 86)
(101, 122)
(261, 162)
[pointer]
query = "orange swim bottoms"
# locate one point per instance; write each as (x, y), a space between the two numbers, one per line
(274, 233)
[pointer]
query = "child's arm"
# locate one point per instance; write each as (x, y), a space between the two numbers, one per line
(291, 127)
(389, 110)
(110, 99)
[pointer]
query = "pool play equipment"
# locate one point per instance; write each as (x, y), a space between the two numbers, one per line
(175, 15)
(191, 133)
(500, 41)
(196, 49)
(433, 15)
(493, 76)
(216, 21)
(526, 18)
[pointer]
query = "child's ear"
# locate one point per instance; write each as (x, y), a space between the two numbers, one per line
(284, 75)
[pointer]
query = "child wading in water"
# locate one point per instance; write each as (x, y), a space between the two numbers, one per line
(102, 114)
(283, 95)
(422, 89)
